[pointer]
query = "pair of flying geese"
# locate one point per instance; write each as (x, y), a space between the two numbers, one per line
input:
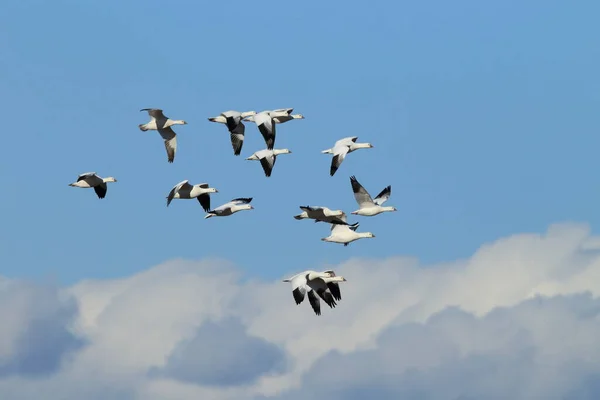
(325, 284)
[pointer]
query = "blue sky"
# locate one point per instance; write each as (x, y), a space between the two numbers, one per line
(483, 117)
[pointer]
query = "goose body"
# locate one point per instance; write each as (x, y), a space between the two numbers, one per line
(233, 119)
(235, 205)
(161, 123)
(282, 115)
(346, 234)
(267, 158)
(184, 190)
(92, 180)
(368, 206)
(324, 284)
(341, 148)
(322, 214)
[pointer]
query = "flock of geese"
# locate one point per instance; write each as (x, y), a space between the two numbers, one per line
(325, 283)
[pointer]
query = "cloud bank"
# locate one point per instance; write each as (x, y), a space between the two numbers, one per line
(517, 320)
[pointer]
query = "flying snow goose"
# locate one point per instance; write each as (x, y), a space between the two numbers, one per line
(91, 180)
(266, 126)
(323, 283)
(235, 205)
(162, 124)
(235, 126)
(183, 190)
(368, 206)
(346, 234)
(267, 158)
(322, 214)
(341, 148)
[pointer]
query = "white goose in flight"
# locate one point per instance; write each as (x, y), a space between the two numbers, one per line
(162, 124)
(341, 148)
(346, 234)
(267, 158)
(235, 126)
(324, 283)
(322, 214)
(368, 206)
(235, 205)
(91, 180)
(183, 190)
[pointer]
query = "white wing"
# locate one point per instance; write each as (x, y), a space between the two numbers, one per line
(266, 127)
(155, 113)
(347, 141)
(267, 161)
(237, 138)
(338, 228)
(299, 287)
(383, 196)
(241, 200)
(170, 139)
(339, 153)
(176, 189)
(363, 198)
(85, 175)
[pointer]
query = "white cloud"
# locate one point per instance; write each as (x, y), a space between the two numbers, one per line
(168, 331)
